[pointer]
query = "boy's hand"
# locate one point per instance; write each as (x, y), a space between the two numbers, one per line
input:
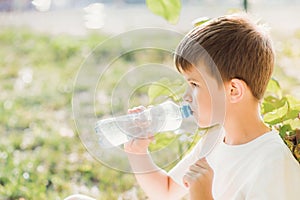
(138, 146)
(199, 180)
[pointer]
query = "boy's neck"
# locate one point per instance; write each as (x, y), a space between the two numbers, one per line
(243, 127)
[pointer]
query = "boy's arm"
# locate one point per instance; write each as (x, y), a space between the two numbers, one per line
(154, 181)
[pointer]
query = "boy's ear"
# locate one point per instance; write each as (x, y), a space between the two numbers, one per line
(237, 89)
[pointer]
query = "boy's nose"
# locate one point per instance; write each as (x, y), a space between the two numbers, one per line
(187, 95)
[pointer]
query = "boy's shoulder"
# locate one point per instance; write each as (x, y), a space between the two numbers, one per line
(272, 165)
(272, 150)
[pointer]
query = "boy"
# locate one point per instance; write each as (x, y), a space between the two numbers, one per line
(227, 62)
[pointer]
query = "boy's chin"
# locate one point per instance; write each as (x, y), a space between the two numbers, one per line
(206, 124)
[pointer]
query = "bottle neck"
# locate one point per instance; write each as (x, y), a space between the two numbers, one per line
(186, 111)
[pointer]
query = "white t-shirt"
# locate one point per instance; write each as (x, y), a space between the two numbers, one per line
(261, 169)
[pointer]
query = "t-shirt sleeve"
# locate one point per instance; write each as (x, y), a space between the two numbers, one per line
(278, 179)
(182, 167)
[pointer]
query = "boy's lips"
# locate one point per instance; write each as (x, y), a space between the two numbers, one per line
(192, 111)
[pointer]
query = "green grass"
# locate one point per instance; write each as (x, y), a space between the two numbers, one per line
(41, 156)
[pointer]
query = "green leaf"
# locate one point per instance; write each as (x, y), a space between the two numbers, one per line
(276, 115)
(271, 103)
(199, 21)
(284, 129)
(168, 9)
(293, 102)
(292, 114)
(295, 124)
(274, 89)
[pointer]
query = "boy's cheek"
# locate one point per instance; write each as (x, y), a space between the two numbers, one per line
(209, 113)
(203, 117)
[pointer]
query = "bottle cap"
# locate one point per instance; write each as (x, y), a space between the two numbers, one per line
(186, 111)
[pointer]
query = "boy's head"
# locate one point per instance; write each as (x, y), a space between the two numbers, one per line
(229, 48)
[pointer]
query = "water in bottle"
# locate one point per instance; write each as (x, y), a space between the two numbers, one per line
(164, 117)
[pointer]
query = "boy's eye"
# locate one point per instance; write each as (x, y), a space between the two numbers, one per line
(194, 84)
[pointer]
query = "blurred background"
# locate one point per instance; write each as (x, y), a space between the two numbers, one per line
(43, 43)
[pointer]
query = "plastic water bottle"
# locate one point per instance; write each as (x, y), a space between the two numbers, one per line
(166, 116)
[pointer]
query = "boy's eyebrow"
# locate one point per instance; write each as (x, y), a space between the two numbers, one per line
(200, 82)
(191, 79)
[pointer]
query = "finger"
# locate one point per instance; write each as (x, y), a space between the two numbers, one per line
(131, 142)
(189, 178)
(151, 138)
(186, 180)
(139, 108)
(136, 109)
(130, 111)
(202, 163)
(195, 168)
(186, 183)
